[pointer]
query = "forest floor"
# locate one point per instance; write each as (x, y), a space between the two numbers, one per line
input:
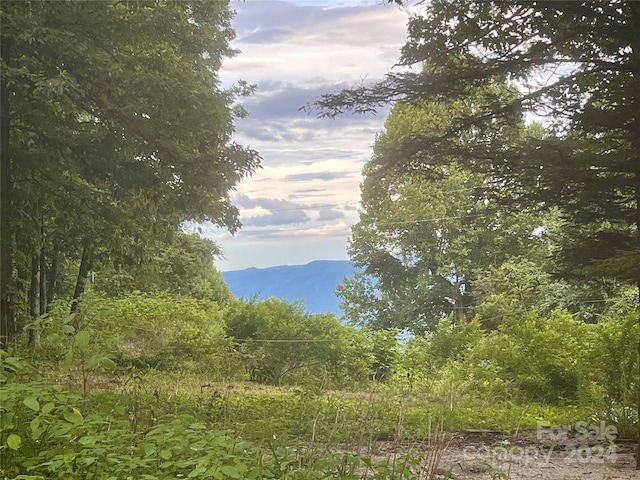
(523, 457)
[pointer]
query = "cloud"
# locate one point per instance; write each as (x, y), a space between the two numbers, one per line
(275, 100)
(280, 211)
(331, 182)
(267, 36)
(285, 101)
(339, 229)
(327, 214)
(277, 118)
(275, 132)
(307, 42)
(244, 201)
(324, 176)
(306, 190)
(317, 23)
(282, 217)
(274, 14)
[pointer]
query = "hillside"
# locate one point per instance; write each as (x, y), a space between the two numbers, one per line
(314, 283)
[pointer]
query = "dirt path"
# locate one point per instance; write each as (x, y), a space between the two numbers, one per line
(535, 461)
(470, 457)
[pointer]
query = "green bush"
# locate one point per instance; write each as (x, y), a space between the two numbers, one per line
(160, 331)
(543, 359)
(283, 345)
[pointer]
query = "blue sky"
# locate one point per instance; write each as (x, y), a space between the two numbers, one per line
(300, 206)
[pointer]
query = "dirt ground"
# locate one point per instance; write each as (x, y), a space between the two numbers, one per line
(488, 457)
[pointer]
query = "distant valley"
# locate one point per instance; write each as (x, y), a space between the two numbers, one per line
(314, 283)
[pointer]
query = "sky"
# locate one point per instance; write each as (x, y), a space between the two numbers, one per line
(300, 206)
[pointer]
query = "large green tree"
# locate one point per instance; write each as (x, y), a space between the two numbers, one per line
(181, 265)
(424, 235)
(119, 129)
(574, 64)
(577, 65)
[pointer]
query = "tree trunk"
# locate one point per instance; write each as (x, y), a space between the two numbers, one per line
(34, 299)
(462, 301)
(43, 281)
(52, 278)
(635, 140)
(21, 293)
(7, 326)
(638, 439)
(83, 272)
(638, 279)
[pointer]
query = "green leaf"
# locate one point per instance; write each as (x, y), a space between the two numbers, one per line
(197, 471)
(68, 359)
(102, 361)
(230, 471)
(108, 364)
(94, 360)
(69, 456)
(73, 417)
(32, 403)
(82, 340)
(54, 338)
(35, 423)
(165, 454)
(48, 407)
(88, 440)
(149, 449)
(68, 329)
(14, 441)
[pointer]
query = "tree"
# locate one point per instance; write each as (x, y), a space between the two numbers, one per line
(119, 128)
(182, 264)
(574, 63)
(570, 63)
(424, 236)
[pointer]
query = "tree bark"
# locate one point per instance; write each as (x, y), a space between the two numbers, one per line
(635, 139)
(34, 299)
(52, 278)
(637, 181)
(81, 281)
(7, 325)
(43, 280)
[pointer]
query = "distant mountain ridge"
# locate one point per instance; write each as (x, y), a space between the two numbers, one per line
(314, 283)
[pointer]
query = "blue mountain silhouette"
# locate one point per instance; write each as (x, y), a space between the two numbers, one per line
(314, 283)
